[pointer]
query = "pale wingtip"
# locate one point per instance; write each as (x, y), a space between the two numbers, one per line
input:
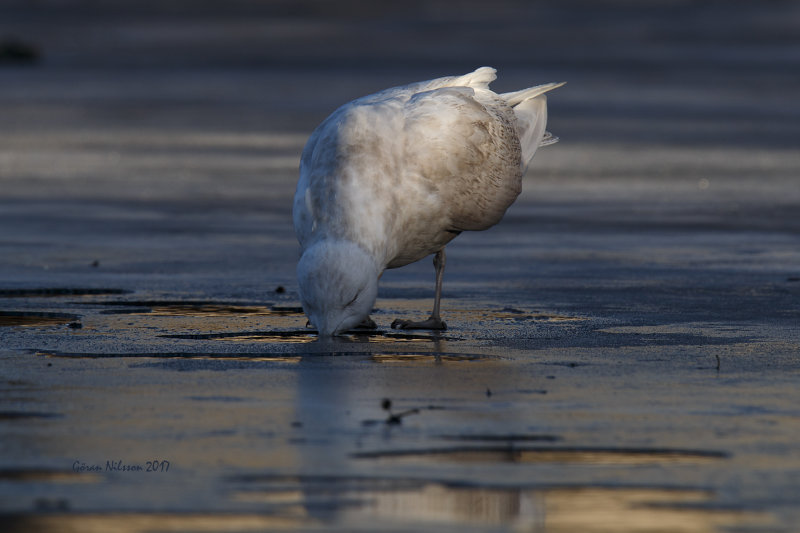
(547, 87)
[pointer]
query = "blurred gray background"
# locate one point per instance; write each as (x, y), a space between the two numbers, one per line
(676, 114)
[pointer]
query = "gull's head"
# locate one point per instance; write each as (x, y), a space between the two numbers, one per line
(338, 285)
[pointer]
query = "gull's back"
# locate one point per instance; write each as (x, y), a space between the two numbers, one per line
(403, 171)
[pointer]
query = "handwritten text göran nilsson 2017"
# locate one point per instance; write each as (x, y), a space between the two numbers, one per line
(121, 466)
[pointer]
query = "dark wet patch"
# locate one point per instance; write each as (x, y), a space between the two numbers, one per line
(195, 308)
(217, 364)
(231, 356)
(216, 398)
(426, 357)
(39, 475)
(288, 309)
(211, 309)
(511, 438)
(27, 415)
(254, 356)
(333, 482)
(325, 482)
(50, 292)
(568, 364)
(16, 52)
(247, 335)
(35, 319)
(307, 335)
(547, 454)
(129, 311)
(185, 361)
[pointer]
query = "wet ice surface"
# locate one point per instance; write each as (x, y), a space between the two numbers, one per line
(639, 428)
(622, 351)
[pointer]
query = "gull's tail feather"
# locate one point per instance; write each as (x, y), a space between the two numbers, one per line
(530, 107)
(517, 97)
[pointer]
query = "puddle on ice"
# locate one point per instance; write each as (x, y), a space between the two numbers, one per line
(189, 308)
(580, 509)
(435, 357)
(185, 356)
(280, 337)
(384, 357)
(297, 336)
(341, 503)
(419, 504)
(309, 335)
(334, 504)
(35, 319)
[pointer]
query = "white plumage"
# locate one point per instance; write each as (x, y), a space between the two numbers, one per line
(391, 178)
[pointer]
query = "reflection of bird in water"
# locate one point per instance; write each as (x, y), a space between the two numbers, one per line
(393, 177)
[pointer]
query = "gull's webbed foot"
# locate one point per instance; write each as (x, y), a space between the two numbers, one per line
(432, 323)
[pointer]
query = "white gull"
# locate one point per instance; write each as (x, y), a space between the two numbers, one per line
(392, 177)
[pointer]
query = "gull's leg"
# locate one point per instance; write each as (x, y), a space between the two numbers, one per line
(438, 263)
(435, 321)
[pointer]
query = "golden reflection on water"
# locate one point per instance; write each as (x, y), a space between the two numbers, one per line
(211, 310)
(556, 510)
(546, 455)
(305, 336)
(590, 509)
(254, 358)
(299, 338)
(638, 510)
